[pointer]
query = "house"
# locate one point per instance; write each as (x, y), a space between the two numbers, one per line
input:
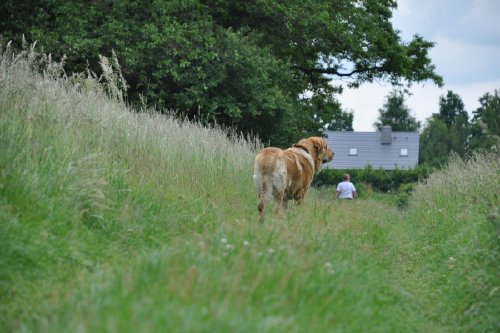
(386, 149)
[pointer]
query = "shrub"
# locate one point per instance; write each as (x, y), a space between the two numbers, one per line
(403, 196)
(377, 179)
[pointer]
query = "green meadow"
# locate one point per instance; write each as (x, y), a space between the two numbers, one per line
(121, 220)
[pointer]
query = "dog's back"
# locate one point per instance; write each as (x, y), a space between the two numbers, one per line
(287, 174)
(270, 175)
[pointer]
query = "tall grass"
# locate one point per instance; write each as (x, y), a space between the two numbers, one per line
(80, 172)
(453, 231)
(120, 221)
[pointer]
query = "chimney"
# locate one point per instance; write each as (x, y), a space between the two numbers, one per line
(386, 135)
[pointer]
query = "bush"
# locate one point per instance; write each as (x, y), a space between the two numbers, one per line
(378, 179)
(404, 193)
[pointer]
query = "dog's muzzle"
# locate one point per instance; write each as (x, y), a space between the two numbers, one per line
(328, 158)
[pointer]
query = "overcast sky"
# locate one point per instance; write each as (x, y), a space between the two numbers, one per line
(467, 56)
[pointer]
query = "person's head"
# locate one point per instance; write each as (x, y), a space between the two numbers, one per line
(346, 177)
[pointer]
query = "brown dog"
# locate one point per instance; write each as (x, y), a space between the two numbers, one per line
(287, 174)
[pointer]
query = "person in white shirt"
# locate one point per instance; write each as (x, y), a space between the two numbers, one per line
(345, 189)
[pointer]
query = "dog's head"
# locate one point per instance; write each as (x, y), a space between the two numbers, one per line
(318, 149)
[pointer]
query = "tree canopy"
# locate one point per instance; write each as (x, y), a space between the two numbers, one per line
(446, 131)
(395, 113)
(266, 67)
(485, 124)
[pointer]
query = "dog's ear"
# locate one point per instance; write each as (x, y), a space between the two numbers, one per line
(317, 144)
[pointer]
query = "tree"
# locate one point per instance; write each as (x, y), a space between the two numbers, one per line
(328, 112)
(445, 132)
(396, 114)
(485, 124)
(453, 114)
(451, 108)
(435, 142)
(246, 64)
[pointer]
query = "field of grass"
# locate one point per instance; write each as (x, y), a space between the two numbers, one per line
(120, 221)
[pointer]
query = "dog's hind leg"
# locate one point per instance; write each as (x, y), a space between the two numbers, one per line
(278, 202)
(299, 197)
(261, 206)
(285, 204)
(262, 186)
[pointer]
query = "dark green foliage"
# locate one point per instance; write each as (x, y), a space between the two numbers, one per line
(445, 132)
(404, 193)
(450, 131)
(262, 67)
(485, 124)
(395, 113)
(435, 144)
(377, 179)
(451, 108)
(453, 114)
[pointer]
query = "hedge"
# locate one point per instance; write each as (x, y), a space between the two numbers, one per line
(378, 179)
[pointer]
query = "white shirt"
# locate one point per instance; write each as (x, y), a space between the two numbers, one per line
(345, 189)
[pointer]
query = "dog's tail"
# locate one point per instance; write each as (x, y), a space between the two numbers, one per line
(264, 191)
(269, 175)
(261, 187)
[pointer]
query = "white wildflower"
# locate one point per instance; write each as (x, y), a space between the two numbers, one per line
(329, 268)
(451, 262)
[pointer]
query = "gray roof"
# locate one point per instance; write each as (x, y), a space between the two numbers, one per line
(368, 148)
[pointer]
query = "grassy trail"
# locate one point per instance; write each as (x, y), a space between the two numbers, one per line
(118, 221)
